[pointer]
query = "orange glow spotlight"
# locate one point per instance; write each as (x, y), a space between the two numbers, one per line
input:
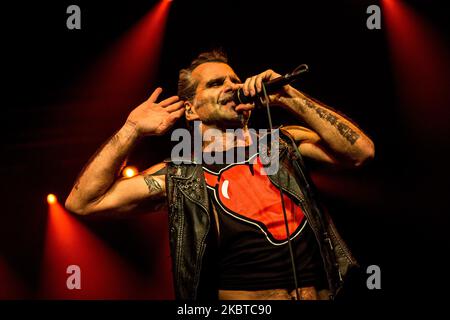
(51, 198)
(129, 171)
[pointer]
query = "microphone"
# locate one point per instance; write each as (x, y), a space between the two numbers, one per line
(271, 85)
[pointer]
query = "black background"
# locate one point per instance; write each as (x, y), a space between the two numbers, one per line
(396, 213)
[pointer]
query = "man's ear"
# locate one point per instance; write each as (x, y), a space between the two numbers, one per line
(189, 112)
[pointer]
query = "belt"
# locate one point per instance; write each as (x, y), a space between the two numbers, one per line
(305, 293)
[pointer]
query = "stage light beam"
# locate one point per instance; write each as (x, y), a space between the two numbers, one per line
(129, 172)
(104, 273)
(421, 64)
(51, 199)
(126, 72)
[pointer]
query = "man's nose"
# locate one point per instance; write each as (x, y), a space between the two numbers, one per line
(230, 86)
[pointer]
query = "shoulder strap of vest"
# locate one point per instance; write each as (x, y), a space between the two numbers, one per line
(287, 137)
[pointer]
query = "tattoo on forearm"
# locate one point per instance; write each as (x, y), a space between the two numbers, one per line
(348, 133)
(152, 184)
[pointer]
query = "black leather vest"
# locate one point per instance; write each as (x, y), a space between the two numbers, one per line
(189, 219)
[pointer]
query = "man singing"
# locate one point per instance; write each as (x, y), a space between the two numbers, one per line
(233, 235)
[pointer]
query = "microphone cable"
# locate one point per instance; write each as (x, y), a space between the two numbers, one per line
(291, 253)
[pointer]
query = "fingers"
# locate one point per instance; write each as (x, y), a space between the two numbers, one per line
(175, 106)
(253, 85)
(246, 87)
(258, 81)
(154, 96)
(167, 102)
(178, 113)
(175, 115)
(245, 107)
(170, 104)
(236, 86)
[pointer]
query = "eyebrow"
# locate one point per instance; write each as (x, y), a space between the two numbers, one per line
(233, 79)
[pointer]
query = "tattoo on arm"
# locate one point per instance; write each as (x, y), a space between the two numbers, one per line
(152, 184)
(344, 130)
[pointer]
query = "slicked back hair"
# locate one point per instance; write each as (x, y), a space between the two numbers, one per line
(188, 86)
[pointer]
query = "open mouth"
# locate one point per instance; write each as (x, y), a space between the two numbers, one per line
(226, 100)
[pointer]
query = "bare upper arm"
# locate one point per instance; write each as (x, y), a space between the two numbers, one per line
(310, 144)
(126, 194)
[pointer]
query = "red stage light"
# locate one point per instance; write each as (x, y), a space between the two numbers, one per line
(119, 79)
(104, 274)
(51, 199)
(129, 172)
(421, 62)
(125, 74)
(11, 286)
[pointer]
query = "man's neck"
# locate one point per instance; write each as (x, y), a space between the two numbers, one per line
(220, 140)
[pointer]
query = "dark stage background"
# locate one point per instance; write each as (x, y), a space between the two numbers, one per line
(393, 213)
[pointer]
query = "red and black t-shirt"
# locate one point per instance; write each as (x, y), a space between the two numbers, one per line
(252, 249)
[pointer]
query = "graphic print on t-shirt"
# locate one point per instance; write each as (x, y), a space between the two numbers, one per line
(246, 193)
